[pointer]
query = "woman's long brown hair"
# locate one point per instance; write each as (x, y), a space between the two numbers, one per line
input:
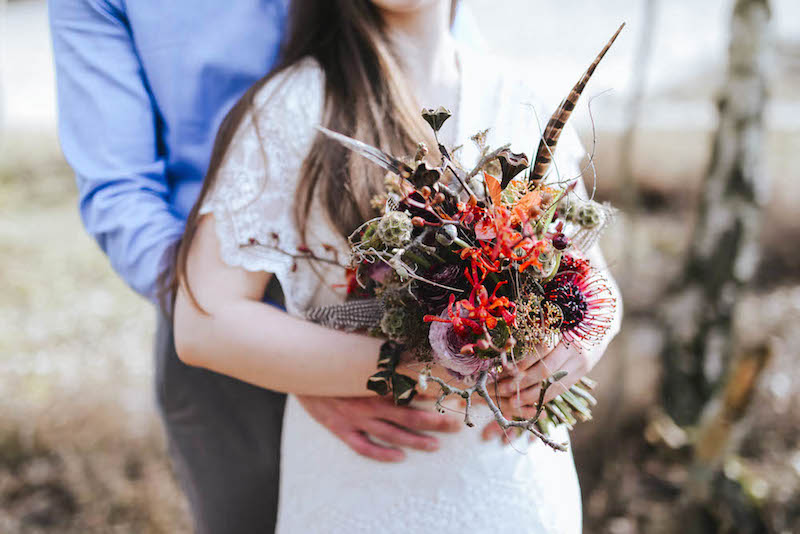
(365, 98)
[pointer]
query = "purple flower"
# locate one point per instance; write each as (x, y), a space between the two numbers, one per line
(378, 272)
(434, 298)
(447, 344)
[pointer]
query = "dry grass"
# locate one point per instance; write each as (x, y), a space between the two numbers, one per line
(81, 449)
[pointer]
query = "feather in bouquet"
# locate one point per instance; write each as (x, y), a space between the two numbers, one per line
(473, 269)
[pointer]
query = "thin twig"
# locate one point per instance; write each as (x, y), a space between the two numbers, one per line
(486, 159)
(480, 389)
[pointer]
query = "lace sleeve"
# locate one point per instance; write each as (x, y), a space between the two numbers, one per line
(253, 197)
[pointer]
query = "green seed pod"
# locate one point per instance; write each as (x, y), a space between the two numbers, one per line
(567, 208)
(392, 323)
(588, 215)
(394, 229)
(447, 234)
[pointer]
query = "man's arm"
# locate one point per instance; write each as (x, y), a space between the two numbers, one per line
(108, 126)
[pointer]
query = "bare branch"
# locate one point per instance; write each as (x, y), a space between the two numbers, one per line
(480, 389)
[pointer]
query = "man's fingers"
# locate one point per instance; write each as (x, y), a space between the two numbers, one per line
(400, 437)
(419, 420)
(362, 445)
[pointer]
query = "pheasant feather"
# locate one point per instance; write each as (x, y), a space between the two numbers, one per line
(349, 316)
(547, 145)
(375, 155)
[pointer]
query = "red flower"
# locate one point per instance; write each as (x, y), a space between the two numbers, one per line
(480, 312)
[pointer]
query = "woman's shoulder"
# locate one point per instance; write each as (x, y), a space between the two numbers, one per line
(294, 94)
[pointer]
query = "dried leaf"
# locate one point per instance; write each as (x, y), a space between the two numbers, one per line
(493, 187)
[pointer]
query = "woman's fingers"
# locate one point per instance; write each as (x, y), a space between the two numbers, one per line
(539, 352)
(525, 392)
(520, 366)
(493, 431)
(541, 370)
(576, 369)
(526, 397)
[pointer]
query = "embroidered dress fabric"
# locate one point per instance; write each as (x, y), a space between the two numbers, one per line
(467, 485)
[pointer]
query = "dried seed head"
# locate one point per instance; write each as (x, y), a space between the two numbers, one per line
(436, 117)
(394, 229)
(393, 322)
(511, 164)
(422, 151)
(588, 215)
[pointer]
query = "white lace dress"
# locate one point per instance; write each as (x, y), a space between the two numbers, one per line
(468, 485)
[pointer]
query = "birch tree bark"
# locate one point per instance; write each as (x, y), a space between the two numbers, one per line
(700, 341)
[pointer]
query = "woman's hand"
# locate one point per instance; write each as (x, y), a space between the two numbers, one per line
(508, 397)
(522, 384)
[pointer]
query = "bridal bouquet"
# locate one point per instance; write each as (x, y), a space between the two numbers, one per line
(475, 269)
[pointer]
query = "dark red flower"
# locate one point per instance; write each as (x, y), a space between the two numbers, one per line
(433, 298)
(585, 301)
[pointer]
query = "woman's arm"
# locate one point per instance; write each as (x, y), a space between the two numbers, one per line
(241, 337)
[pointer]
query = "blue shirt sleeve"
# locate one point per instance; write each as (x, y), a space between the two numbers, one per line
(108, 128)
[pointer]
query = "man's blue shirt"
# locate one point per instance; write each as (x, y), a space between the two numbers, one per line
(142, 89)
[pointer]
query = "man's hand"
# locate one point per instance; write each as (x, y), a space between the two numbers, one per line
(351, 419)
(522, 384)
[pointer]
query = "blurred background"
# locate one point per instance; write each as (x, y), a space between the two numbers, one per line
(700, 394)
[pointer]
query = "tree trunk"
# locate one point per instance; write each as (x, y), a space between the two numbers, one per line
(724, 247)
